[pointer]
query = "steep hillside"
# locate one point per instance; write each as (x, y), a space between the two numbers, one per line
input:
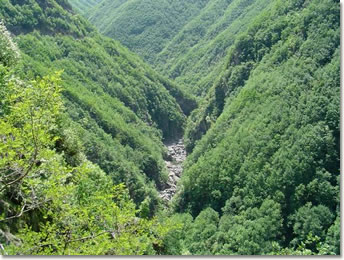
(92, 154)
(53, 201)
(195, 56)
(272, 148)
(144, 26)
(187, 41)
(49, 17)
(119, 107)
(84, 6)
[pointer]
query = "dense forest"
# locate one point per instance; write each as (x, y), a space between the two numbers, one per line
(98, 99)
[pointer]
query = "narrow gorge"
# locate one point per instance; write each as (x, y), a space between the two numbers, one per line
(176, 155)
(199, 127)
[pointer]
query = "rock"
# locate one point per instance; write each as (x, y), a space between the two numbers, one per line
(174, 160)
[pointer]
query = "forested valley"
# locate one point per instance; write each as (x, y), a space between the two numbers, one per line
(140, 127)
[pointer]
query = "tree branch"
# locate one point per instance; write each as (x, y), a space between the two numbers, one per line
(24, 175)
(33, 160)
(22, 211)
(74, 240)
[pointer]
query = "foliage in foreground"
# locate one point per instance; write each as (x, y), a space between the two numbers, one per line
(54, 207)
(118, 107)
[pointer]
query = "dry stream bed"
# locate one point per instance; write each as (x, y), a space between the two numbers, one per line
(174, 163)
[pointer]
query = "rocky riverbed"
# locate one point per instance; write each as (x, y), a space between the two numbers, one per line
(174, 164)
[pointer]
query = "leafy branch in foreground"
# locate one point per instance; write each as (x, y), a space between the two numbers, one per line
(26, 135)
(59, 209)
(53, 207)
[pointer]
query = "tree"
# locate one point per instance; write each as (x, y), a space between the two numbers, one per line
(311, 220)
(200, 238)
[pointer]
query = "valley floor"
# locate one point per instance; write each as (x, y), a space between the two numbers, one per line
(174, 164)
